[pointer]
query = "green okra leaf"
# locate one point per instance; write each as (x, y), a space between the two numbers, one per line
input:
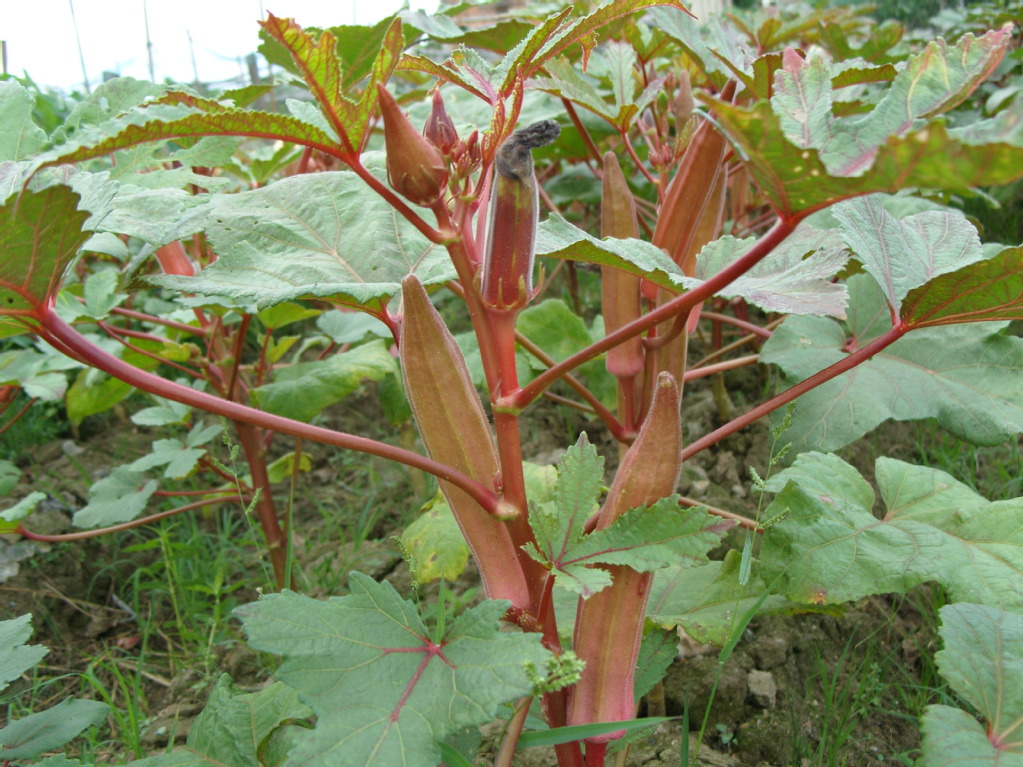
(235, 727)
(384, 690)
(982, 659)
(645, 539)
(321, 234)
(16, 657)
(31, 735)
(965, 375)
(831, 548)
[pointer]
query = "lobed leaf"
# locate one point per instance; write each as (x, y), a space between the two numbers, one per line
(982, 659)
(933, 81)
(966, 376)
(905, 254)
(336, 654)
(15, 656)
(40, 234)
(47, 730)
(119, 497)
(797, 277)
(796, 179)
(989, 290)
(832, 548)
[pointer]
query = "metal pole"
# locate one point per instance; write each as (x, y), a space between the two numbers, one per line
(78, 40)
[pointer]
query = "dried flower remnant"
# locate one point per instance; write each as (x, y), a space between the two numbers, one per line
(514, 210)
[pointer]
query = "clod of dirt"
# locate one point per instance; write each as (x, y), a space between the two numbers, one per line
(763, 690)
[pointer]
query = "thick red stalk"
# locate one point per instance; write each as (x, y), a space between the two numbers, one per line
(683, 303)
(842, 366)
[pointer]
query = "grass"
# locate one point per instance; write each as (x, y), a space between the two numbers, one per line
(995, 472)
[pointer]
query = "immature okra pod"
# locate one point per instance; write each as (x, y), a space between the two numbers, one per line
(456, 432)
(507, 282)
(609, 624)
(619, 289)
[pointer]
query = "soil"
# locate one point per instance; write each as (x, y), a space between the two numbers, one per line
(782, 698)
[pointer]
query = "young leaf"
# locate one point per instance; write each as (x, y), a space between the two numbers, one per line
(933, 81)
(982, 660)
(321, 234)
(31, 735)
(119, 497)
(40, 233)
(712, 42)
(384, 691)
(315, 57)
(555, 35)
(966, 376)
(832, 549)
(559, 524)
(644, 539)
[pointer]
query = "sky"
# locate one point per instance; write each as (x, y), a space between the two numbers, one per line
(40, 35)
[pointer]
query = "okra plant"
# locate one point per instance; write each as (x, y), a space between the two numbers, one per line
(788, 174)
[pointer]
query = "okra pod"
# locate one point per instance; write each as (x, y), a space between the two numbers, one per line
(609, 624)
(456, 432)
(507, 282)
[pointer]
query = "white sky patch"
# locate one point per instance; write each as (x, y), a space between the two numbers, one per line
(40, 35)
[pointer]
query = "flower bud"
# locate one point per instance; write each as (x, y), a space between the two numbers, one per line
(439, 130)
(415, 168)
(514, 208)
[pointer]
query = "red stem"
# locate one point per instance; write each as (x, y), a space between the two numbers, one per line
(398, 204)
(111, 331)
(747, 326)
(249, 436)
(125, 525)
(706, 370)
(683, 303)
(61, 335)
(18, 415)
(143, 317)
(842, 366)
(635, 159)
(612, 423)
